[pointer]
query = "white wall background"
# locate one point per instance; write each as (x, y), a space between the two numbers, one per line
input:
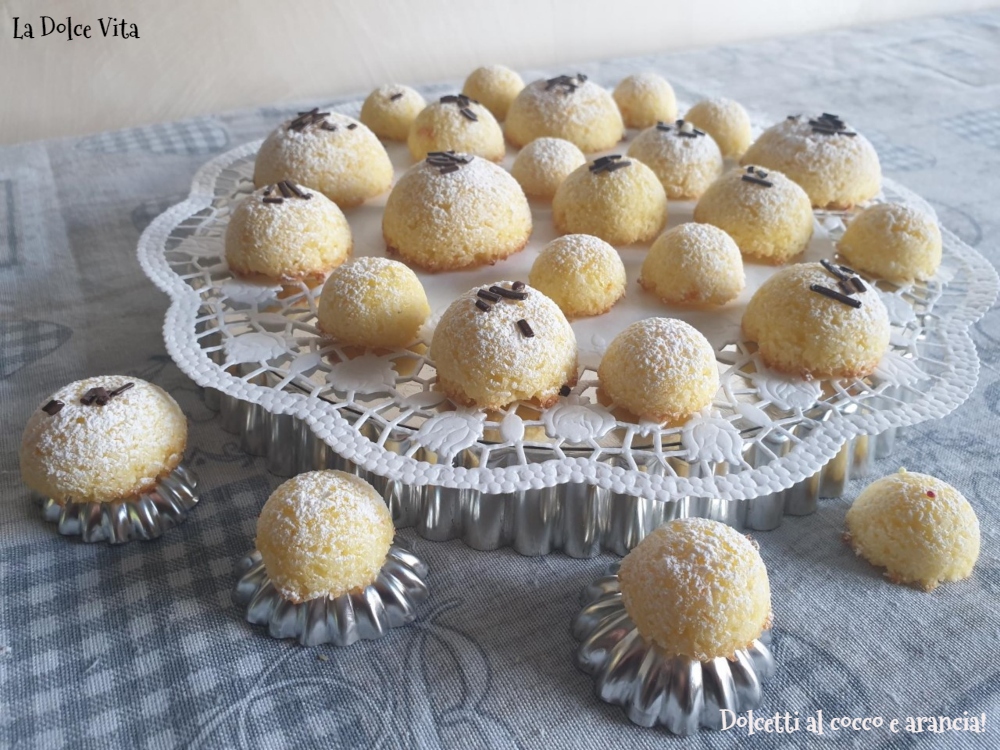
(204, 56)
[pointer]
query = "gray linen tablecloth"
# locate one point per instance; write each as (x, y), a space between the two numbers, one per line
(139, 646)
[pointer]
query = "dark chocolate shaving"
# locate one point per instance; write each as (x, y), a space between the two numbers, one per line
(508, 293)
(352, 125)
(517, 286)
(488, 296)
(845, 287)
(565, 391)
(468, 114)
(661, 125)
(397, 95)
(460, 99)
(327, 126)
(482, 305)
(274, 200)
(833, 294)
(835, 270)
(447, 161)
(568, 84)
(608, 164)
(53, 407)
(299, 192)
(858, 285)
(120, 390)
(286, 192)
(268, 190)
(756, 180)
(312, 117)
(98, 395)
(526, 331)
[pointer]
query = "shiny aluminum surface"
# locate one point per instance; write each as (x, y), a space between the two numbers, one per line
(679, 693)
(579, 519)
(144, 517)
(389, 602)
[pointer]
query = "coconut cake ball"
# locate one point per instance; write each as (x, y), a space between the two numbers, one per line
(285, 232)
(456, 123)
(329, 152)
(768, 215)
(582, 274)
(696, 588)
(693, 264)
(684, 158)
(373, 302)
(726, 121)
(102, 439)
(920, 529)
(573, 108)
(660, 369)
(323, 534)
(619, 200)
(645, 99)
(455, 211)
(835, 165)
(893, 241)
(496, 86)
(805, 324)
(390, 109)
(542, 165)
(503, 343)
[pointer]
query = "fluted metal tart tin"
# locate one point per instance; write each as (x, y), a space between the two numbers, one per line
(579, 519)
(390, 601)
(678, 693)
(144, 517)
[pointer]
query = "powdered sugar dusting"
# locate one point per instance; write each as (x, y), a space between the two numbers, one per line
(487, 350)
(103, 453)
(696, 582)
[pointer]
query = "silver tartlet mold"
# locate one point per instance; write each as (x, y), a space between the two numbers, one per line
(678, 693)
(144, 517)
(390, 601)
(578, 519)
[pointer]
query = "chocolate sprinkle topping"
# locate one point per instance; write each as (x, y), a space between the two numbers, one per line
(98, 395)
(53, 407)
(832, 294)
(468, 114)
(508, 293)
(460, 99)
(447, 161)
(859, 285)
(846, 287)
(397, 95)
(756, 180)
(517, 286)
(352, 126)
(525, 328)
(568, 84)
(299, 192)
(835, 270)
(286, 192)
(327, 126)
(274, 200)
(482, 305)
(489, 296)
(661, 125)
(608, 164)
(312, 117)
(565, 390)
(120, 390)
(828, 124)
(268, 190)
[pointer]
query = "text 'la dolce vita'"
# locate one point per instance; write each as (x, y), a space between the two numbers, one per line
(70, 29)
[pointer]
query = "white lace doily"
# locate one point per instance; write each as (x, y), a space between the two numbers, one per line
(763, 433)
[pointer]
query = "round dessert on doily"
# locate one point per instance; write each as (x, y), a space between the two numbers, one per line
(381, 411)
